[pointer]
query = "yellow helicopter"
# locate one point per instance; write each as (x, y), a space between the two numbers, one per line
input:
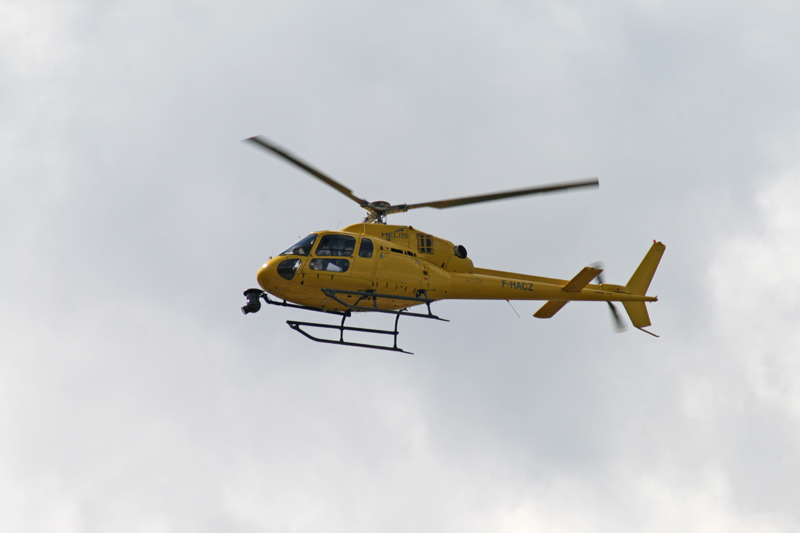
(373, 266)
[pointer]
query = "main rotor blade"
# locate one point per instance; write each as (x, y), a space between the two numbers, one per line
(441, 204)
(308, 168)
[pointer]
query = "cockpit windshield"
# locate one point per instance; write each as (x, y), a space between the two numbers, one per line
(303, 246)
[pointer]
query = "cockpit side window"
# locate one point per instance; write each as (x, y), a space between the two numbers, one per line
(303, 246)
(365, 250)
(338, 245)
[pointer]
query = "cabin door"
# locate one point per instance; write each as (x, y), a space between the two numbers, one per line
(364, 261)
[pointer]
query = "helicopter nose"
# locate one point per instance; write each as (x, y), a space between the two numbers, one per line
(264, 275)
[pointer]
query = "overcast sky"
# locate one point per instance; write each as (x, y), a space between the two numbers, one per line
(134, 396)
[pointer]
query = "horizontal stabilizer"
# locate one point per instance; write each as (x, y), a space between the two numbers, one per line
(583, 278)
(550, 308)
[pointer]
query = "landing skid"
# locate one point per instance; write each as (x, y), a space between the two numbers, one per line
(255, 295)
(298, 326)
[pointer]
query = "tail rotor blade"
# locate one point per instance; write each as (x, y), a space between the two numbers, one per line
(599, 277)
(617, 320)
(618, 324)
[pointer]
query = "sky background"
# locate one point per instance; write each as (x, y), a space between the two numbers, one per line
(134, 396)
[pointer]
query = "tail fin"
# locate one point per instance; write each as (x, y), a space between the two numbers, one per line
(637, 312)
(641, 279)
(639, 283)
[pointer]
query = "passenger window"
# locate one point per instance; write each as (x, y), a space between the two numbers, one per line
(339, 245)
(366, 248)
(424, 243)
(329, 265)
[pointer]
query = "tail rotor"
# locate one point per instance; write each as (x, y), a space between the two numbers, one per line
(618, 324)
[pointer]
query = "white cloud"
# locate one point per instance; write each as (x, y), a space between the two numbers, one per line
(756, 289)
(34, 36)
(636, 501)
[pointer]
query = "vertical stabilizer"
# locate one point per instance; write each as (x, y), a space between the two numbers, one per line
(641, 279)
(637, 312)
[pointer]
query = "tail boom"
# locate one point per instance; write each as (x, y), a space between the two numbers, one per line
(558, 293)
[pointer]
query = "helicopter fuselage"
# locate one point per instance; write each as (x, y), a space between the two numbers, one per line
(404, 262)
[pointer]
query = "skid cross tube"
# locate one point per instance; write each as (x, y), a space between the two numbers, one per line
(366, 295)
